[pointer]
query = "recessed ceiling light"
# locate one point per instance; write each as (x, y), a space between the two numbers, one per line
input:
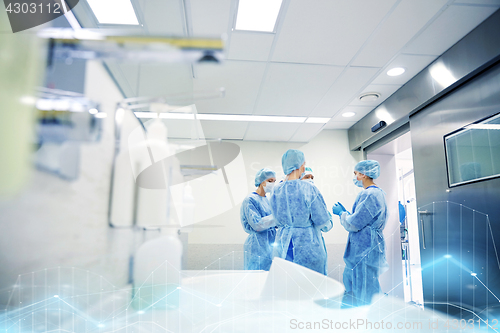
(396, 71)
(114, 11)
(369, 97)
(348, 114)
(257, 15)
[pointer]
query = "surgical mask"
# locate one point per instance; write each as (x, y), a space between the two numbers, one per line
(302, 175)
(357, 182)
(309, 180)
(269, 187)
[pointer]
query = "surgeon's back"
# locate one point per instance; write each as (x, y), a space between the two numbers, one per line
(298, 204)
(301, 216)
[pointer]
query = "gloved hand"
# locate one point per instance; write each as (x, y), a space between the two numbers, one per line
(338, 209)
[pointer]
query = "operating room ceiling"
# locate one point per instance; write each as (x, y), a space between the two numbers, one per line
(323, 56)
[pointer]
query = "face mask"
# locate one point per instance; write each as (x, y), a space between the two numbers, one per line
(309, 181)
(269, 187)
(357, 182)
(302, 175)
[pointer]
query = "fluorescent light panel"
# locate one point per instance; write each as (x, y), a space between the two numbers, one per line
(187, 116)
(114, 11)
(257, 15)
(230, 117)
(151, 115)
(154, 115)
(317, 120)
(236, 117)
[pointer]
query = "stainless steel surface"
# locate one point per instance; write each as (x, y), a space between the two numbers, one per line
(460, 258)
(423, 232)
(473, 53)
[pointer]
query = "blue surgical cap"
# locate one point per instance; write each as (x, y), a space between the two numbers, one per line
(264, 174)
(368, 168)
(308, 171)
(292, 160)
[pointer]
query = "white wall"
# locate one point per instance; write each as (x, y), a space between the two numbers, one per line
(332, 163)
(391, 281)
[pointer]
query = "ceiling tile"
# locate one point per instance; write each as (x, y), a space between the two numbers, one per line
(210, 18)
(327, 31)
(181, 129)
(344, 90)
(413, 65)
(454, 23)
(241, 80)
(271, 131)
(306, 132)
(294, 89)
(229, 130)
(385, 91)
(250, 46)
(164, 17)
(360, 112)
(131, 73)
(339, 125)
(165, 79)
(126, 76)
(406, 20)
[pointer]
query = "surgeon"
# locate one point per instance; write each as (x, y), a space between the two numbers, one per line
(308, 175)
(364, 255)
(301, 215)
(257, 220)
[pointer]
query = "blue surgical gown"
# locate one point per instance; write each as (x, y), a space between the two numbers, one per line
(301, 215)
(259, 244)
(364, 256)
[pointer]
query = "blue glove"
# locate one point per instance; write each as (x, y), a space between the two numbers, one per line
(338, 209)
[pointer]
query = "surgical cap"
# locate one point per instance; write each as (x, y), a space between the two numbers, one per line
(264, 174)
(368, 168)
(292, 160)
(308, 171)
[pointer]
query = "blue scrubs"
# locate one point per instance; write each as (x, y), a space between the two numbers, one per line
(364, 255)
(259, 244)
(301, 215)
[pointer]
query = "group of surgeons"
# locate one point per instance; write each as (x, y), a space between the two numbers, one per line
(289, 224)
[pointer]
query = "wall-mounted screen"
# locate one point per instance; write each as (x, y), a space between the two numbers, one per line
(473, 152)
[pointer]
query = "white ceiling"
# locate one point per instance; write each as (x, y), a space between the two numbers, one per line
(324, 54)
